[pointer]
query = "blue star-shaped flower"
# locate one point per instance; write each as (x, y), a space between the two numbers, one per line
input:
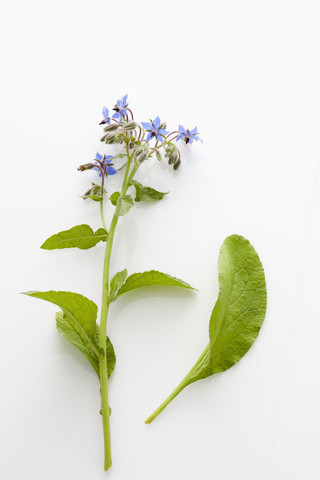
(188, 135)
(121, 108)
(106, 117)
(105, 159)
(154, 130)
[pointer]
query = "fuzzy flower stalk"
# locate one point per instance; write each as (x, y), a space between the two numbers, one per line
(77, 321)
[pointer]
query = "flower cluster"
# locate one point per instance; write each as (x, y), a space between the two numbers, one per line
(120, 129)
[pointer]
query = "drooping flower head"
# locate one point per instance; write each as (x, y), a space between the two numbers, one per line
(121, 108)
(106, 117)
(104, 161)
(155, 129)
(188, 135)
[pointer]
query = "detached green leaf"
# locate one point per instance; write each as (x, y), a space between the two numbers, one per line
(148, 279)
(237, 316)
(123, 205)
(147, 194)
(77, 324)
(81, 236)
(116, 283)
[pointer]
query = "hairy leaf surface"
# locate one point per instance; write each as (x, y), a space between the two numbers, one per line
(123, 205)
(77, 324)
(150, 278)
(147, 194)
(116, 282)
(81, 236)
(237, 315)
(114, 198)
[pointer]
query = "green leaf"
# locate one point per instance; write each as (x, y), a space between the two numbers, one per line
(80, 308)
(116, 282)
(77, 324)
(147, 194)
(111, 357)
(96, 198)
(81, 236)
(237, 316)
(94, 193)
(150, 278)
(75, 334)
(123, 205)
(114, 198)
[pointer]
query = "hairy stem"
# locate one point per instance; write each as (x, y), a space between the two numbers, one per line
(189, 378)
(103, 326)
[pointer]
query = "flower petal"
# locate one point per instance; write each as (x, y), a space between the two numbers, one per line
(105, 112)
(111, 171)
(195, 130)
(182, 130)
(197, 138)
(181, 135)
(146, 125)
(163, 132)
(99, 156)
(156, 122)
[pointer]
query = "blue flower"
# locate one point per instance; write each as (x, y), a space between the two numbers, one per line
(104, 160)
(106, 119)
(187, 135)
(121, 108)
(154, 130)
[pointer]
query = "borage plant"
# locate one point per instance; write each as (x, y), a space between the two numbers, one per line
(77, 319)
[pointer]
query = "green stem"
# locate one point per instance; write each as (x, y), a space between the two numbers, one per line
(189, 378)
(103, 326)
(102, 216)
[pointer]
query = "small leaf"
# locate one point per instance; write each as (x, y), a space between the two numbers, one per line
(114, 198)
(150, 278)
(81, 236)
(111, 358)
(96, 198)
(123, 205)
(94, 193)
(75, 334)
(237, 316)
(147, 194)
(116, 282)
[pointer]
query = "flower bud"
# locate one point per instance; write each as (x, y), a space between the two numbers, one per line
(129, 126)
(177, 164)
(113, 138)
(111, 128)
(172, 154)
(142, 153)
(86, 166)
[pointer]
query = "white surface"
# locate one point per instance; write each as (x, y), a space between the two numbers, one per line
(247, 73)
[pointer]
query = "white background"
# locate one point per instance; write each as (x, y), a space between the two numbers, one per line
(247, 73)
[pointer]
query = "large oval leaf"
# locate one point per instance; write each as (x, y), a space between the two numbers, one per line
(241, 306)
(237, 315)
